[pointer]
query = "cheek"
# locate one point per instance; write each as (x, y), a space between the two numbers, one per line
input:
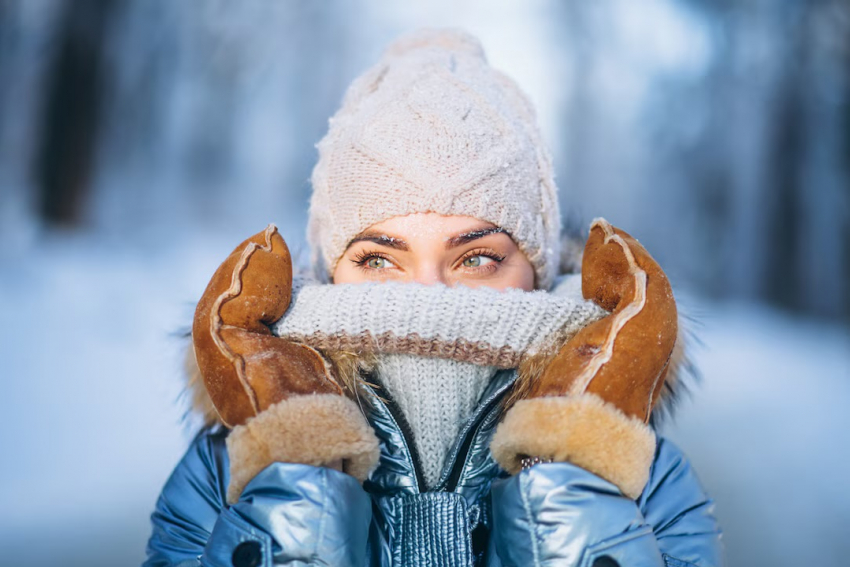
(516, 275)
(345, 272)
(522, 277)
(517, 272)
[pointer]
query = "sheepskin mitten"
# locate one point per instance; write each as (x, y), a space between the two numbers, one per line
(432, 127)
(591, 404)
(279, 397)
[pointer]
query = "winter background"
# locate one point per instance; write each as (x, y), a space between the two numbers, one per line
(141, 140)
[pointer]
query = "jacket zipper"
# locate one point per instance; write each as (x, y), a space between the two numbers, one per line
(382, 396)
(462, 455)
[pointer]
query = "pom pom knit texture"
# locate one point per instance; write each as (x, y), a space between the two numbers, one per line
(433, 128)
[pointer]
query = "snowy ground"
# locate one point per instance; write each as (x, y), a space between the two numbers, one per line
(92, 408)
(767, 431)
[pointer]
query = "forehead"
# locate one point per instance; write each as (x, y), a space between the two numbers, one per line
(429, 226)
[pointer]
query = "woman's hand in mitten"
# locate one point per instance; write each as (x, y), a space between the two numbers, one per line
(591, 404)
(279, 397)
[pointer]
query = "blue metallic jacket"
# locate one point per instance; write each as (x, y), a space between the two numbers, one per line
(553, 514)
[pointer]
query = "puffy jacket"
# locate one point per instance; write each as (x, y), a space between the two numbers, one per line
(554, 514)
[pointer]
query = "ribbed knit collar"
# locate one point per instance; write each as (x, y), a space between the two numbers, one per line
(436, 396)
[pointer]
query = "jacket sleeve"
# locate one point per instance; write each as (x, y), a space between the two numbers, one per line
(560, 514)
(289, 514)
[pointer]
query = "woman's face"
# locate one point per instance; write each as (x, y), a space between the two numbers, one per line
(429, 248)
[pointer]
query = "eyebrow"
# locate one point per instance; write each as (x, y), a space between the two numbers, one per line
(399, 243)
(467, 237)
(382, 239)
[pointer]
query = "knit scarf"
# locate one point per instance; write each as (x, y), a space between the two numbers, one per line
(435, 347)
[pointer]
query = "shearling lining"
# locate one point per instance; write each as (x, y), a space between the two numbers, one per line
(314, 430)
(583, 430)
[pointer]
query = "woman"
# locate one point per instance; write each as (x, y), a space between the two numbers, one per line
(448, 400)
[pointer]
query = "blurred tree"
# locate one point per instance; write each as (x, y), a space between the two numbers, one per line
(775, 153)
(725, 122)
(72, 99)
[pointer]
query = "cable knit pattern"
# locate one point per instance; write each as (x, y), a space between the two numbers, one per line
(433, 128)
(481, 325)
(436, 396)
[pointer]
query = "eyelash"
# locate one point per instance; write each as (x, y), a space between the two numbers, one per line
(361, 258)
(487, 253)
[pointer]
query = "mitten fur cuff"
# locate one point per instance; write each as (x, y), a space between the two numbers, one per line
(314, 430)
(583, 430)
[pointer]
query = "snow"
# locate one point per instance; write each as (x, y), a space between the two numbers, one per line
(766, 431)
(93, 407)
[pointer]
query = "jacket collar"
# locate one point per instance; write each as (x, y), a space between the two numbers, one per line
(398, 470)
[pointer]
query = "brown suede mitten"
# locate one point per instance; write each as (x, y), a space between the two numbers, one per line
(279, 397)
(592, 403)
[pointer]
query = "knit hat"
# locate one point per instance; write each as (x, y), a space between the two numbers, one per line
(433, 128)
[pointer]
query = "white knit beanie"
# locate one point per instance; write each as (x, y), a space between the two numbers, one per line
(433, 128)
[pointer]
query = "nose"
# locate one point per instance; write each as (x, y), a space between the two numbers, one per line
(430, 275)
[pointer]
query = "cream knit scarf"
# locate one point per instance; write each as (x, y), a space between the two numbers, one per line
(436, 347)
